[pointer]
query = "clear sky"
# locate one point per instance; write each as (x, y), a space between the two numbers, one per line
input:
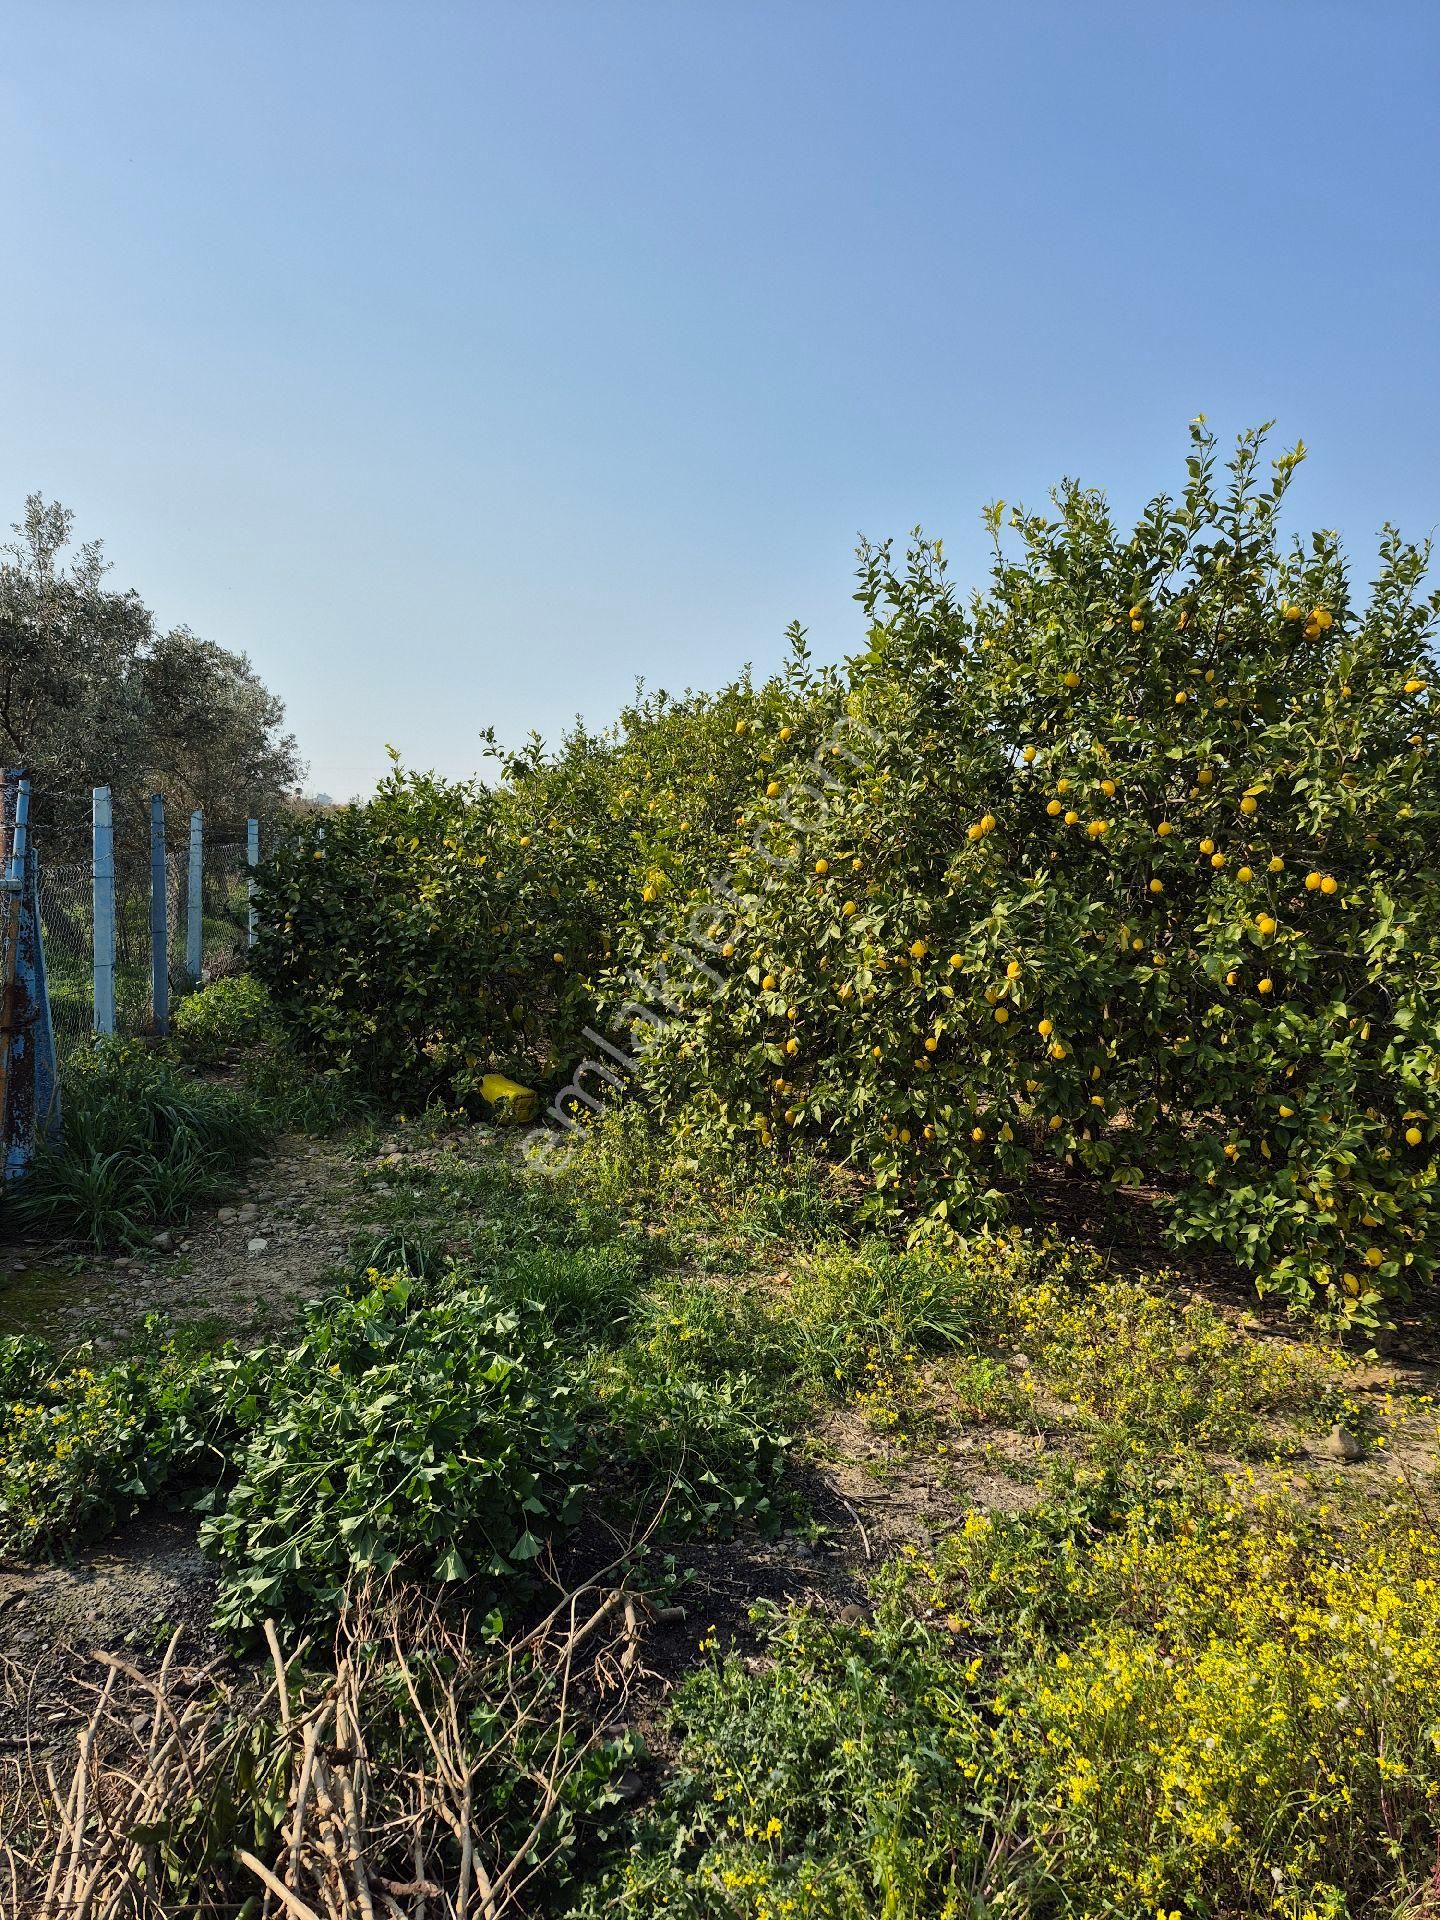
(461, 363)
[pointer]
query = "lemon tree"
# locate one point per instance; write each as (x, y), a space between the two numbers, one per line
(1131, 862)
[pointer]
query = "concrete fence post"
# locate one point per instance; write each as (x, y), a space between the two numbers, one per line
(195, 898)
(252, 859)
(102, 870)
(159, 922)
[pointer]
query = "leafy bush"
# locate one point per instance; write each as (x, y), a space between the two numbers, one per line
(83, 1443)
(143, 1143)
(692, 1409)
(1229, 1700)
(837, 1777)
(221, 1018)
(426, 1439)
(1139, 1701)
(444, 927)
(1133, 864)
(1130, 864)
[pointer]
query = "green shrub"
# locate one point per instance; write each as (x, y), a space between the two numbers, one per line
(84, 1443)
(1220, 1701)
(428, 1439)
(222, 1018)
(836, 1777)
(143, 1143)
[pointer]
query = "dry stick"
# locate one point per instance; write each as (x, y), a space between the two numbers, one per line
(864, 1537)
(291, 1902)
(297, 1821)
(281, 1675)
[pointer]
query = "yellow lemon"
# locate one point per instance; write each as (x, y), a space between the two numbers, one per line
(1323, 618)
(739, 726)
(1267, 986)
(1329, 884)
(1164, 829)
(1181, 697)
(1244, 876)
(822, 866)
(1072, 679)
(977, 1134)
(987, 824)
(1265, 923)
(768, 983)
(875, 1053)
(1413, 1136)
(1045, 1029)
(931, 1043)
(1071, 817)
(1413, 685)
(728, 949)
(1107, 787)
(785, 733)
(1013, 970)
(848, 908)
(1002, 1014)
(1204, 777)
(772, 787)
(1231, 977)
(1217, 860)
(1207, 846)
(1277, 865)
(1028, 755)
(919, 949)
(957, 960)
(1157, 886)
(1312, 882)
(1052, 807)
(1249, 803)
(792, 1045)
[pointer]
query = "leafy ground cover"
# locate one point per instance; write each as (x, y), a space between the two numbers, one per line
(1010, 1583)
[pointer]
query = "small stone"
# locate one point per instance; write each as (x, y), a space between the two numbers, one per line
(163, 1242)
(256, 1246)
(226, 1215)
(246, 1213)
(853, 1616)
(629, 1786)
(1341, 1445)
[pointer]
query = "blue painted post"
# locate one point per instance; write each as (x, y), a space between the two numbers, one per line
(252, 856)
(195, 898)
(102, 828)
(29, 1089)
(159, 929)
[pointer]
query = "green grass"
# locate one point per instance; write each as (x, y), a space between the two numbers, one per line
(143, 1146)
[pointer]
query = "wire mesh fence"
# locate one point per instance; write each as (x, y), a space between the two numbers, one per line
(67, 918)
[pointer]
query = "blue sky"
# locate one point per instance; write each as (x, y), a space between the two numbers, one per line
(462, 363)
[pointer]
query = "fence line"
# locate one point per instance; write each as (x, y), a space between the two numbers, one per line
(121, 931)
